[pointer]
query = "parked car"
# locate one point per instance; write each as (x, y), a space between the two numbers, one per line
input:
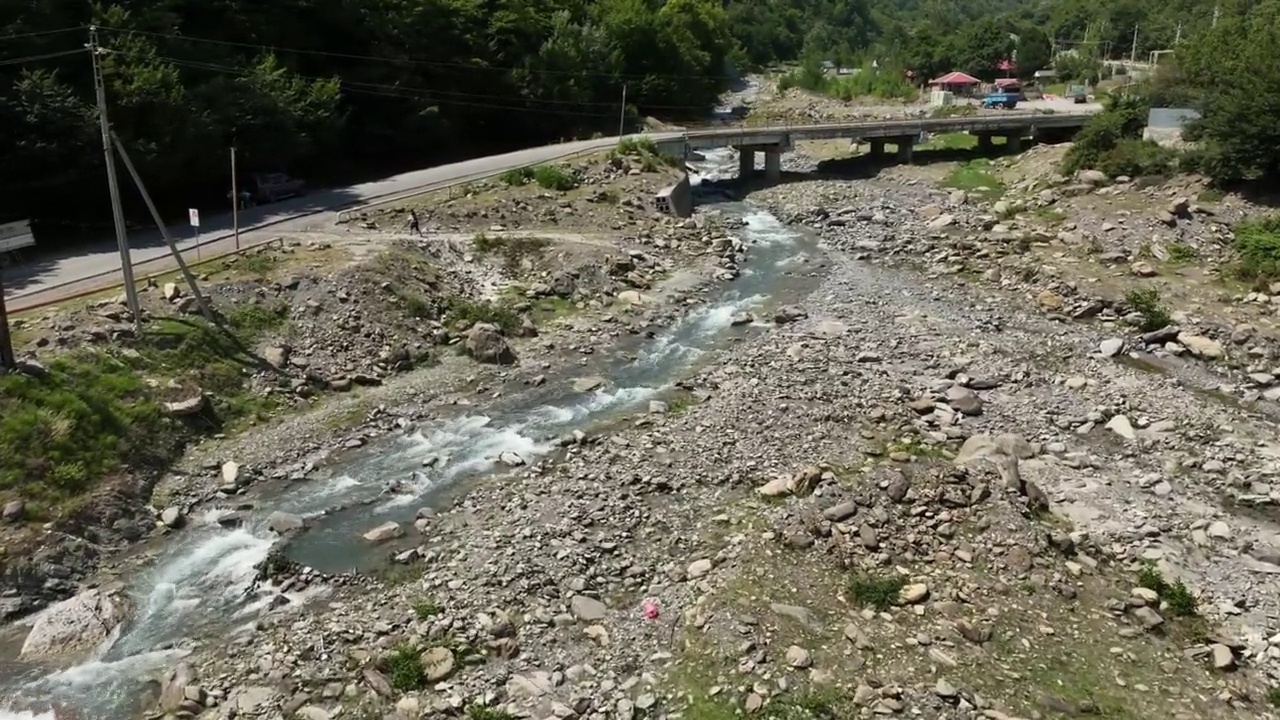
(1078, 94)
(273, 187)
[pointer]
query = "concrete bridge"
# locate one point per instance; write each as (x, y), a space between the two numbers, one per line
(773, 141)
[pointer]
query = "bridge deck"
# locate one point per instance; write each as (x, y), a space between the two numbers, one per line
(1011, 122)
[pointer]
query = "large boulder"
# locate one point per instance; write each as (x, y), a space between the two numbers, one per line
(77, 625)
(485, 343)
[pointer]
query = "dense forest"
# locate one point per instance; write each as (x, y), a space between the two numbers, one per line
(335, 89)
(327, 89)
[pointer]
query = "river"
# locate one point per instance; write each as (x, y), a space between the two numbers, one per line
(199, 587)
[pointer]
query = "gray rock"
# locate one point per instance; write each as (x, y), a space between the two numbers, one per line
(172, 517)
(283, 523)
(485, 343)
(587, 609)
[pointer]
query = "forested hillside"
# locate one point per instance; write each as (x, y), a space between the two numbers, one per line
(334, 89)
(326, 89)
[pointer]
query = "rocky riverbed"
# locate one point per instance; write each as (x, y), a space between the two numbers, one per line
(926, 489)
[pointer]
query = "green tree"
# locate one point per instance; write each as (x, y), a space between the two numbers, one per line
(1034, 52)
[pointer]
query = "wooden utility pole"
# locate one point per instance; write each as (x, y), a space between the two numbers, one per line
(164, 232)
(113, 186)
(7, 359)
(235, 200)
(622, 116)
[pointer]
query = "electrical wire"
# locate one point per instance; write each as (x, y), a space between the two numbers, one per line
(46, 56)
(400, 92)
(411, 61)
(39, 33)
(442, 95)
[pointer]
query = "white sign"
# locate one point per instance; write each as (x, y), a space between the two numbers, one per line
(194, 215)
(16, 235)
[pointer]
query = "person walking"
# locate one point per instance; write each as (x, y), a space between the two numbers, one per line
(414, 226)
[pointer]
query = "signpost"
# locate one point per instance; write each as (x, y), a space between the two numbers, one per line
(194, 216)
(13, 236)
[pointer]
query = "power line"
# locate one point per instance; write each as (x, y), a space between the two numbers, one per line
(46, 56)
(411, 61)
(39, 33)
(446, 94)
(400, 92)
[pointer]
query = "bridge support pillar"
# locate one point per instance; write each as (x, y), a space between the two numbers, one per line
(905, 148)
(746, 163)
(1013, 142)
(985, 144)
(877, 150)
(772, 165)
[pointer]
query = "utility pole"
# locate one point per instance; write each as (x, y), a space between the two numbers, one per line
(622, 116)
(235, 200)
(113, 187)
(1216, 10)
(7, 359)
(1177, 38)
(1133, 51)
(164, 231)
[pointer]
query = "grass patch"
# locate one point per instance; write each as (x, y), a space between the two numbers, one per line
(1273, 697)
(1211, 195)
(1175, 595)
(547, 177)
(1049, 215)
(96, 413)
(950, 141)
(464, 312)
(1257, 245)
(868, 81)
(89, 417)
(879, 592)
(426, 609)
(975, 177)
(1146, 303)
(1181, 253)
(256, 264)
(404, 669)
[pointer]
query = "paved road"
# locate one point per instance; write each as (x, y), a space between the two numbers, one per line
(43, 280)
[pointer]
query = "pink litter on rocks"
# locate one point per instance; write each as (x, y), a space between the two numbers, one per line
(650, 609)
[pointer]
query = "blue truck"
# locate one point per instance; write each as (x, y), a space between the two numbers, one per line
(1001, 99)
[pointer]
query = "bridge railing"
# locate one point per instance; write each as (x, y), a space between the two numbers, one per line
(916, 126)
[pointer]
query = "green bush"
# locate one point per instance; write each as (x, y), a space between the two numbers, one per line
(637, 145)
(1147, 304)
(404, 669)
(1123, 119)
(462, 311)
(1175, 595)
(880, 593)
(1137, 158)
(87, 418)
(516, 177)
(868, 81)
(1257, 246)
(551, 177)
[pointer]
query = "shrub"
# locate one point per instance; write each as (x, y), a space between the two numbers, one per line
(1137, 158)
(1257, 245)
(1124, 118)
(516, 177)
(1147, 304)
(469, 312)
(404, 669)
(1175, 595)
(551, 177)
(427, 609)
(868, 81)
(880, 593)
(637, 145)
